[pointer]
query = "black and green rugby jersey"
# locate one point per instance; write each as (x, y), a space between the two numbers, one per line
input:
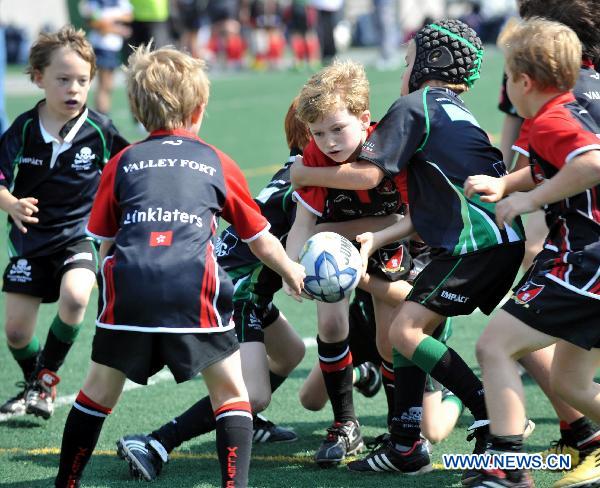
(253, 280)
(64, 177)
(433, 134)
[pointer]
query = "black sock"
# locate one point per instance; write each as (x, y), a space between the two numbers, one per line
(234, 443)
(80, 436)
(409, 383)
(505, 443)
(449, 369)
(387, 379)
(196, 420)
(452, 372)
(582, 434)
(335, 361)
(276, 380)
(27, 357)
(60, 338)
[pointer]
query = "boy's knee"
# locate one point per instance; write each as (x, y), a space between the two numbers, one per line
(259, 402)
(17, 337)
(487, 350)
(74, 300)
(384, 346)
(400, 338)
(432, 434)
(309, 402)
(333, 330)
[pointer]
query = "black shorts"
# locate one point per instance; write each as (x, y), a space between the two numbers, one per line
(139, 355)
(392, 262)
(457, 285)
(41, 276)
(252, 318)
(549, 307)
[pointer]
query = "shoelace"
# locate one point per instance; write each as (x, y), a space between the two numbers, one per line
(558, 446)
(335, 431)
(378, 442)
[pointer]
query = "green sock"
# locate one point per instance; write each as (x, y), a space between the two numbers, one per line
(64, 332)
(27, 356)
(428, 353)
(60, 339)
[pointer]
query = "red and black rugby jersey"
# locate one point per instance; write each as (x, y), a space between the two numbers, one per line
(63, 177)
(333, 205)
(160, 201)
(587, 94)
(561, 131)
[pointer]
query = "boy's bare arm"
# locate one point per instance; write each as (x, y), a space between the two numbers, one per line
(350, 176)
(351, 228)
(269, 250)
(370, 241)
(581, 173)
(494, 189)
(302, 228)
(105, 246)
(21, 210)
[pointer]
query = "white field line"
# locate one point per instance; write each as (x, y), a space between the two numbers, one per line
(159, 377)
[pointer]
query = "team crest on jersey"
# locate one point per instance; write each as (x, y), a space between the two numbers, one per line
(386, 187)
(20, 272)
(527, 292)
(84, 159)
(225, 244)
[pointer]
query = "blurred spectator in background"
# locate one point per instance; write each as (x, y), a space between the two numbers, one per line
(3, 118)
(150, 21)
(301, 21)
(327, 17)
(226, 42)
(385, 17)
(108, 22)
(267, 39)
(191, 15)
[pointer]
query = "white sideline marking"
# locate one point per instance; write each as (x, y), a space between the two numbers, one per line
(159, 377)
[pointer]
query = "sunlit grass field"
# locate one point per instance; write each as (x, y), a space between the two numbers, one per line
(244, 119)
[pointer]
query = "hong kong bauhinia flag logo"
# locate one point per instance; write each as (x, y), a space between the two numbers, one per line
(164, 238)
(528, 292)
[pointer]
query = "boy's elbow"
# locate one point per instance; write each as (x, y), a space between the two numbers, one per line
(371, 176)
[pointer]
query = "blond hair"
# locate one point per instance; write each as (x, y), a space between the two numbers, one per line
(341, 85)
(40, 54)
(547, 51)
(165, 86)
